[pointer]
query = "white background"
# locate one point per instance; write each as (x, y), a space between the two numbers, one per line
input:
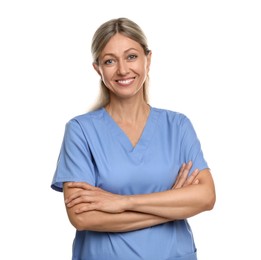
(206, 64)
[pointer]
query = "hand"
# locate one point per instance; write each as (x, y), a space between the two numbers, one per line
(94, 198)
(183, 179)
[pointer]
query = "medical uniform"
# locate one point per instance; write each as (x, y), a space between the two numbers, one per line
(95, 150)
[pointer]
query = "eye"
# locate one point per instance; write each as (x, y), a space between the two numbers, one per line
(109, 62)
(132, 57)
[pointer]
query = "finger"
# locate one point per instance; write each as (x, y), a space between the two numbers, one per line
(181, 171)
(81, 185)
(179, 175)
(78, 200)
(183, 175)
(87, 207)
(196, 181)
(191, 178)
(79, 194)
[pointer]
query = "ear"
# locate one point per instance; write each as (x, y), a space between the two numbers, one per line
(96, 67)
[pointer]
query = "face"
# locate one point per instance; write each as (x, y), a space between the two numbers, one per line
(123, 66)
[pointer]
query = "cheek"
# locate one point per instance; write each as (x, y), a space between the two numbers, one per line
(147, 67)
(106, 78)
(104, 75)
(144, 66)
(107, 73)
(140, 68)
(144, 69)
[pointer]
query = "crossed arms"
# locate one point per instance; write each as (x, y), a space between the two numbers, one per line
(92, 208)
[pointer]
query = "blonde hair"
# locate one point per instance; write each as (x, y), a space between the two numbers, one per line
(102, 36)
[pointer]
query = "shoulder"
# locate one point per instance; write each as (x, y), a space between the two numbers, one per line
(84, 123)
(170, 116)
(87, 117)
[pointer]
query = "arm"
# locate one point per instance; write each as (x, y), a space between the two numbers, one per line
(177, 203)
(96, 220)
(92, 208)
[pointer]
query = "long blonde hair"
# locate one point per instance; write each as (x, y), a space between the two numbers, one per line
(102, 36)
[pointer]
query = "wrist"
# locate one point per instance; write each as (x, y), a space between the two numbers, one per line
(128, 203)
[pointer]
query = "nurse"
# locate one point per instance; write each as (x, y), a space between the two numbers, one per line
(131, 174)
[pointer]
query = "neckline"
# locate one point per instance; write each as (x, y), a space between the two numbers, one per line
(144, 139)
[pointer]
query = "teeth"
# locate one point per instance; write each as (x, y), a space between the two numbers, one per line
(127, 81)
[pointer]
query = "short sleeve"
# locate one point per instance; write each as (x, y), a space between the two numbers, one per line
(191, 147)
(75, 160)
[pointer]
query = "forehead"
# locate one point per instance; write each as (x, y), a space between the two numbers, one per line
(120, 43)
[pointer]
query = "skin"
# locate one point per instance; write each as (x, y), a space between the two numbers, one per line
(123, 67)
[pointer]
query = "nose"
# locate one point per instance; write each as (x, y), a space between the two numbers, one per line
(123, 68)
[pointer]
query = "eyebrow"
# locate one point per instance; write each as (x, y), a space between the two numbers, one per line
(112, 54)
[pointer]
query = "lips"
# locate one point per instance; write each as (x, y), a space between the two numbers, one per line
(125, 82)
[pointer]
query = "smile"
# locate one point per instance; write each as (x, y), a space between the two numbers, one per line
(125, 81)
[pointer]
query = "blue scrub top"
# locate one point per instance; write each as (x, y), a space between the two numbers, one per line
(95, 150)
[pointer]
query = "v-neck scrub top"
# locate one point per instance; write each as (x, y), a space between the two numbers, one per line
(96, 150)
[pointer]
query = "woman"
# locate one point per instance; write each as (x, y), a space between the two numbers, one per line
(131, 174)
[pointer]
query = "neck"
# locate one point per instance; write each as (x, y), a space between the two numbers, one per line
(128, 111)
